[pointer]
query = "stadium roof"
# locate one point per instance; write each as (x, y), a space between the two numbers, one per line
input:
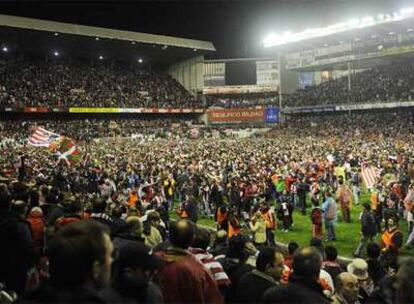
(25, 33)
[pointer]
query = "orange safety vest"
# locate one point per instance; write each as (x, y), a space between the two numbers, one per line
(182, 213)
(132, 201)
(233, 230)
(387, 236)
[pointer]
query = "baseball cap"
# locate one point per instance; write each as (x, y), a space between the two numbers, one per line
(139, 255)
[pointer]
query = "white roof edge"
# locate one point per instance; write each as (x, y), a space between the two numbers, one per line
(92, 31)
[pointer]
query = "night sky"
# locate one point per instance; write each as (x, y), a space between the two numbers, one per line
(235, 27)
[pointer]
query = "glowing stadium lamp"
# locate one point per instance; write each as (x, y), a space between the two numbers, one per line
(5, 49)
(353, 22)
(367, 21)
(140, 60)
(100, 57)
(133, 42)
(56, 34)
(97, 38)
(407, 11)
(397, 17)
(56, 53)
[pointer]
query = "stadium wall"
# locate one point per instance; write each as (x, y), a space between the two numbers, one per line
(189, 74)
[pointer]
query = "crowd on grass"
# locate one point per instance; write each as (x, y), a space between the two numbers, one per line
(101, 229)
(387, 83)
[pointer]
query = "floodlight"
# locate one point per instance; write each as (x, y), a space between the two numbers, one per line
(5, 49)
(133, 42)
(56, 53)
(407, 11)
(140, 60)
(353, 22)
(100, 57)
(97, 38)
(56, 34)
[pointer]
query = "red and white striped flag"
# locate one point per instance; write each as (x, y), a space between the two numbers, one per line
(369, 175)
(42, 137)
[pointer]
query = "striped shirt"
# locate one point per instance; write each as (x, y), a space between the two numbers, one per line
(212, 265)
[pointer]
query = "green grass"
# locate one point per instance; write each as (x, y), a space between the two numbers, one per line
(347, 233)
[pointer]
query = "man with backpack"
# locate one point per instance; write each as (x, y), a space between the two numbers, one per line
(329, 208)
(368, 229)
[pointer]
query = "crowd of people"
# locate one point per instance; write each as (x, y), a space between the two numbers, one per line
(59, 83)
(388, 83)
(100, 230)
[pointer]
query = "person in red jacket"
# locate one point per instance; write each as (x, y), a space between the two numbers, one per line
(37, 223)
(184, 279)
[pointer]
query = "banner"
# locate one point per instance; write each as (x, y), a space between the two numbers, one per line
(241, 89)
(94, 110)
(272, 115)
(35, 110)
(217, 116)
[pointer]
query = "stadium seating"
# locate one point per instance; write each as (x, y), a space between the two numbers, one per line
(381, 84)
(37, 83)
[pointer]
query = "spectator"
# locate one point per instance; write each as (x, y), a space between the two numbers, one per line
(346, 286)
(252, 285)
(200, 250)
(307, 263)
(292, 247)
(376, 271)
(183, 279)
(329, 213)
(234, 264)
(359, 268)
(80, 258)
(368, 228)
(18, 252)
(331, 264)
(131, 279)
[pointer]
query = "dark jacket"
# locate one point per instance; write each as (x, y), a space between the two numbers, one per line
(191, 209)
(298, 290)
(48, 294)
(376, 271)
(151, 294)
(252, 286)
(235, 270)
(368, 224)
(17, 252)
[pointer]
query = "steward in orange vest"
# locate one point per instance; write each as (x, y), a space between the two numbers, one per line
(391, 238)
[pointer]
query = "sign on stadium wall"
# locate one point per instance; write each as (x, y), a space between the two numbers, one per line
(239, 115)
(241, 89)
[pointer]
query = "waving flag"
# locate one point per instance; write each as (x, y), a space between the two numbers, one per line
(369, 175)
(42, 138)
(68, 151)
(65, 147)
